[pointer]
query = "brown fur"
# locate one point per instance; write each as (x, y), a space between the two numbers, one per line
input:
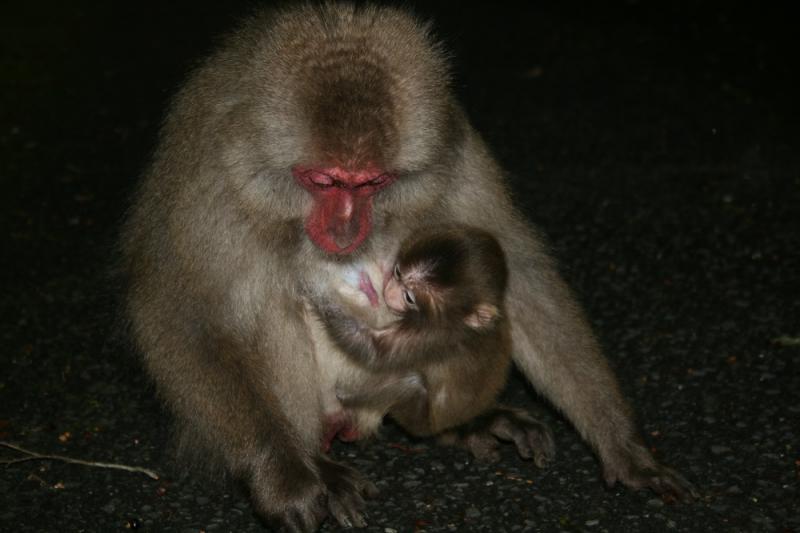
(220, 266)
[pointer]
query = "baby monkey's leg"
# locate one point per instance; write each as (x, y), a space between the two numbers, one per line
(482, 436)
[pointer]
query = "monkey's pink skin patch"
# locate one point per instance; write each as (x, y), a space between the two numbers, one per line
(338, 424)
(365, 284)
(341, 216)
(327, 439)
(349, 433)
(333, 423)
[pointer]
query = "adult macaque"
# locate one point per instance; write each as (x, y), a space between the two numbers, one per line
(315, 137)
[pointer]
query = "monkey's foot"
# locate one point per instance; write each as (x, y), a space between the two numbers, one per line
(346, 489)
(296, 503)
(636, 468)
(482, 436)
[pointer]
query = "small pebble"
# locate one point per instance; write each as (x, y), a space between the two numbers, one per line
(472, 512)
(655, 503)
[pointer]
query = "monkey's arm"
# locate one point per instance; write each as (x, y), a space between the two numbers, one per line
(553, 344)
(556, 350)
(389, 348)
(382, 392)
(414, 415)
(350, 334)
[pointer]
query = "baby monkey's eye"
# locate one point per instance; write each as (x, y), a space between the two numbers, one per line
(397, 272)
(408, 296)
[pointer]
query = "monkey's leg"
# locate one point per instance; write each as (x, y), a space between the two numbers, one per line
(347, 489)
(413, 414)
(223, 413)
(481, 436)
(241, 404)
(375, 397)
(382, 392)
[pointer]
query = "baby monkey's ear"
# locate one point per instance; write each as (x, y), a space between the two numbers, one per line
(482, 317)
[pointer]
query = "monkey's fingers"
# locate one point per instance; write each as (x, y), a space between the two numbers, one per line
(477, 441)
(300, 522)
(368, 489)
(347, 489)
(532, 438)
(662, 480)
(483, 446)
(344, 509)
(294, 502)
(668, 483)
(303, 517)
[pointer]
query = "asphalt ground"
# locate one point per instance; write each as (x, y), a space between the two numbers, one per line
(655, 143)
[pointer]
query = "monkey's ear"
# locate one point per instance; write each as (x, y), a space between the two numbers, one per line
(482, 316)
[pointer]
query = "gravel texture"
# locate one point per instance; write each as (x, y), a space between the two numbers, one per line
(656, 143)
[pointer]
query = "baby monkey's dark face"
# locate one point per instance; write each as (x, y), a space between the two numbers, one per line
(413, 290)
(406, 289)
(448, 277)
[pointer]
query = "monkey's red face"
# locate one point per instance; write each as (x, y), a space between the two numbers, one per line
(341, 216)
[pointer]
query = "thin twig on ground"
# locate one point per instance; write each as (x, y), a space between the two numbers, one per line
(33, 456)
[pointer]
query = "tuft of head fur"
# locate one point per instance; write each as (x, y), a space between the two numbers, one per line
(459, 268)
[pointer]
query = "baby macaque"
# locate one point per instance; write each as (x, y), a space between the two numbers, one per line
(443, 356)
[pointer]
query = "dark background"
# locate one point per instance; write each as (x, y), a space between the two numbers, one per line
(656, 143)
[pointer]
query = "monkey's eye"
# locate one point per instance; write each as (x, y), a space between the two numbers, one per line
(322, 181)
(408, 296)
(397, 272)
(376, 184)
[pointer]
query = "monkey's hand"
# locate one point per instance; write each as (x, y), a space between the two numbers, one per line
(346, 489)
(353, 337)
(635, 467)
(482, 436)
(304, 497)
(339, 321)
(289, 495)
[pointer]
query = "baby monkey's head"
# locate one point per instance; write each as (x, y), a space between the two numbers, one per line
(449, 276)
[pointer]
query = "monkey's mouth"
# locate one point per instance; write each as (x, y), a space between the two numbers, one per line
(339, 233)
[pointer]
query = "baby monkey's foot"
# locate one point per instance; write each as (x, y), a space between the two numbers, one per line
(482, 436)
